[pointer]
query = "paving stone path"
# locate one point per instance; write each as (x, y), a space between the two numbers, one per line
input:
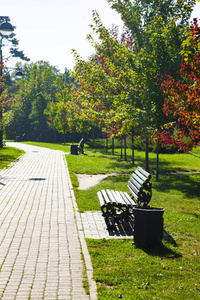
(94, 227)
(40, 253)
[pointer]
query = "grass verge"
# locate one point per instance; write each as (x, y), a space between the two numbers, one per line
(8, 155)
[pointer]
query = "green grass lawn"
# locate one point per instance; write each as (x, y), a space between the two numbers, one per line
(122, 270)
(8, 155)
(98, 163)
(62, 147)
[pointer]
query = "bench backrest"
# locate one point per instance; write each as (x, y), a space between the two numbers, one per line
(81, 143)
(140, 187)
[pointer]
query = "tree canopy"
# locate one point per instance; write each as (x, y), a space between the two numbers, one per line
(183, 101)
(117, 88)
(34, 92)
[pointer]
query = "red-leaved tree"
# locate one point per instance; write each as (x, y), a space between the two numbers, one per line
(183, 101)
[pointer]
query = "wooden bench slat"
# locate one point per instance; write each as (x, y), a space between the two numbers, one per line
(133, 187)
(135, 183)
(147, 174)
(126, 200)
(111, 197)
(129, 199)
(106, 199)
(101, 200)
(123, 203)
(138, 179)
(140, 175)
(115, 197)
(133, 193)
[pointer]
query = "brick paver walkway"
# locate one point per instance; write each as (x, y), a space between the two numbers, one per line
(39, 246)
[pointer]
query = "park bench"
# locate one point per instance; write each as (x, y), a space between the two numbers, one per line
(81, 146)
(76, 149)
(119, 205)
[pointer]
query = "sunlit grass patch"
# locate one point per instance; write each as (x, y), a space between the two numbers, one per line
(8, 155)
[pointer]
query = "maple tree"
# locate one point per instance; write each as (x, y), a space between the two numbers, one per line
(183, 101)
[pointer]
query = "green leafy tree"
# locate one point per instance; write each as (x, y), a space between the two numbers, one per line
(5, 101)
(157, 28)
(14, 121)
(35, 91)
(104, 80)
(14, 52)
(56, 113)
(67, 113)
(67, 77)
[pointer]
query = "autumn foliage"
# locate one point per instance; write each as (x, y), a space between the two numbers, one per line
(183, 101)
(5, 98)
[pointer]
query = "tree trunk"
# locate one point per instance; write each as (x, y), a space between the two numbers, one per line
(157, 161)
(133, 156)
(93, 135)
(125, 157)
(113, 146)
(121, 147)
(106, 145)
(147, 153)
(54, 135)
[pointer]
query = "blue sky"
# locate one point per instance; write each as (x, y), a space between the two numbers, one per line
(48, 30)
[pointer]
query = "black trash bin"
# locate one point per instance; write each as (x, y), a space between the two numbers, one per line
(74, 149)
(148, 226)
(17, 138)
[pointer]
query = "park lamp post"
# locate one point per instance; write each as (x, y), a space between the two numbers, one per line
(6, 30)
